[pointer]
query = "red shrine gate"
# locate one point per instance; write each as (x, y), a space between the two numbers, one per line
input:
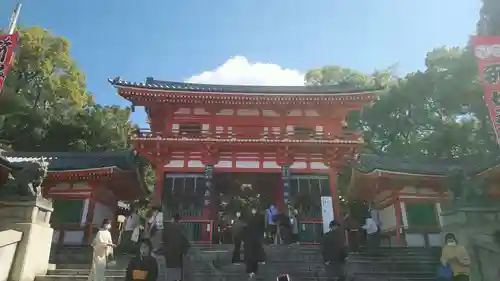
(200, 130)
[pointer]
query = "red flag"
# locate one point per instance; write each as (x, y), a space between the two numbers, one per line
(7, 44)
(487, 51)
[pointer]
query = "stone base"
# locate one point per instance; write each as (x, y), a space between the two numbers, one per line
(32, 219)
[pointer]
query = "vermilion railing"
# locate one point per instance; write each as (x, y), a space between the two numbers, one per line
(250, 134)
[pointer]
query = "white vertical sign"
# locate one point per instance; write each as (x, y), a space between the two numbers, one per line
(327, 212)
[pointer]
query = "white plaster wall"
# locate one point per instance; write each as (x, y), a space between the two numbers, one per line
(318, 165)
(439, 210)
(387, 218)
(224, 164)
(101, 212)
(247, 164)
(73, 237)
(435, 239)
(404, 217)
(299, 165)
(382, 196)
(415, 240)
(270, 164)
(175, 164)
(195, 164)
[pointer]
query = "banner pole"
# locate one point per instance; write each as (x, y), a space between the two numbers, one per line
(14, 18)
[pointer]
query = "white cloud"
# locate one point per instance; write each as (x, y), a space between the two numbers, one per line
(239, 71)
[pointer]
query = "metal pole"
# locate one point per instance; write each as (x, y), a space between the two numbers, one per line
(14, 18)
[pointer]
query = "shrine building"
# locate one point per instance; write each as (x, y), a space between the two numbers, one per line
(409, 195)
(85, 188)
(285, 143)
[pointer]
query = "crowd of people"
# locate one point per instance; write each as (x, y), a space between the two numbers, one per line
(146, 240)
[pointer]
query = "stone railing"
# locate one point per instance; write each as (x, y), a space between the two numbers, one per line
(487, 258)
(31, 218)
(9, 239)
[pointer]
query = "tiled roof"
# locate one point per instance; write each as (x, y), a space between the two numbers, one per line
(151, 83)
(370, 162)
(5, 162)
(67, 161)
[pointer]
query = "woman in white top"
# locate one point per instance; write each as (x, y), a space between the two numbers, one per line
(155, 228)
(371, 228)
(131, 233)
(103, 247)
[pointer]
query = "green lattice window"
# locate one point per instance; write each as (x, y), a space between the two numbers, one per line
(67, 211)
(422, 215)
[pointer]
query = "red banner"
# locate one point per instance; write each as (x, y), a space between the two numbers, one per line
(7, 44)
(487, 51)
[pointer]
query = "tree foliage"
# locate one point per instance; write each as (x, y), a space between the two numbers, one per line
(437, 113)
(45, 105)
(489, 18)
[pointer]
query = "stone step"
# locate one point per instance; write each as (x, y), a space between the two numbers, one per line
(237, 278)
(392, 259)
(389, 265)
(395, 274)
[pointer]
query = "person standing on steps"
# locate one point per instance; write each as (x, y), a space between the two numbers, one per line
(372, 232)
(294, 221)
(253, 249)
(270, 223)
(237, 230)
(334, 252)
(130, 232)
(155, 228)
(456, 257)
(103, 248)
(175, 247)
(353, 237)
(144, 266)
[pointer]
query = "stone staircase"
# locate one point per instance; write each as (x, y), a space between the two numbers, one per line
(394, 264)
(213, 262)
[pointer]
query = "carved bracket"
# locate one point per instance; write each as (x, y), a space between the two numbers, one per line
(210, 155)
(284, 156)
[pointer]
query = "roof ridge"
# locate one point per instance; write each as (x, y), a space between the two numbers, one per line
(151, 83)
(65, 154)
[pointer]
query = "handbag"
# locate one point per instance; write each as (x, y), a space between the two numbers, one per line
(111, 261)
(135, 235)
(445, 272)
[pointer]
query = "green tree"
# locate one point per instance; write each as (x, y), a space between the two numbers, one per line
(438, 112)
(45, 105)
(335, 75)
(489, 18)
(44, 84)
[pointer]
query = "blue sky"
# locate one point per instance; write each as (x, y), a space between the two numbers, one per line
(177, 39)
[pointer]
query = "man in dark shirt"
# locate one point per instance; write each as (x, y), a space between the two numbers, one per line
(334, 252)
(143, 267)
(237, 230)
(175, 245)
